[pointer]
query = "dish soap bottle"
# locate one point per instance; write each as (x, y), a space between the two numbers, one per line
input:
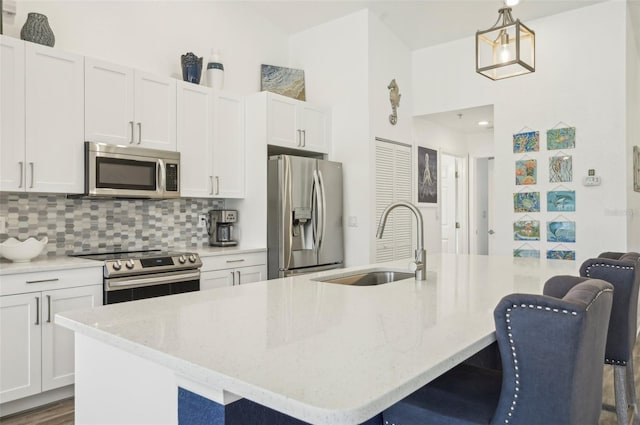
(215, 71)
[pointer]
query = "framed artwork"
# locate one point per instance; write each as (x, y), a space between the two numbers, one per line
(636, 168)
(526, 171)
(427, 176)
(526, 253)
(561, 200)
(526, 142)
(560, 168)
(526, 230)
(561, 231)
(561, 138)
(526, 202)
(554, 254)
(285, 81)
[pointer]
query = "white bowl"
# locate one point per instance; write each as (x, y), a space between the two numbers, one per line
(22, 252)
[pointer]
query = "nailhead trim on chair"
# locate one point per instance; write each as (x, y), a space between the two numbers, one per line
(610, 361)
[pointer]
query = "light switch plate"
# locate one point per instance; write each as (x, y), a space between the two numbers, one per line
(591, 181)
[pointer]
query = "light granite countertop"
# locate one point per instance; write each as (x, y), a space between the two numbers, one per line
(321, 352)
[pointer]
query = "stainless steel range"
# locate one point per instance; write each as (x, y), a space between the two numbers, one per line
(135, 275)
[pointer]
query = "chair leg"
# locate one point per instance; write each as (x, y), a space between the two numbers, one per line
(631, 386)
(621, 389)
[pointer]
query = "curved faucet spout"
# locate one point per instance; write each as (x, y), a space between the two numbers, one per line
(420, 254)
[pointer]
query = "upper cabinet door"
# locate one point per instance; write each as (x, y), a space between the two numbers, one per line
(314, 126)
(155, 111)
(282, 121)
(12, 122)
(55, 120)
(195, 139)
(229, 146)
(108, 103)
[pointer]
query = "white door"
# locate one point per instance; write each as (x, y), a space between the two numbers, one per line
(490, 205)
(20, 324)
(54, 120)
(108, 103)
(229, 146)
(155, 111)
(282, 121)
(313, 123)
(251, 274)
(480, 208)
(216, 279)
(12, 122)
(449, 200)
(195, 139)
(57, 342)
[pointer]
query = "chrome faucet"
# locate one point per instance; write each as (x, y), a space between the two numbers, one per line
(419, 264)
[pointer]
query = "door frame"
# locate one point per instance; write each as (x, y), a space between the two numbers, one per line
(462, 201)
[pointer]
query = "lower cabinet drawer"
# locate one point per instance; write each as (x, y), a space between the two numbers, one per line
(233, 261)
(43, 281)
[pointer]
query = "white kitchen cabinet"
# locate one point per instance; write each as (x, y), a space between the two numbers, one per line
(195, 139)
(295, 124)
(129, 107)
(35, 354)
(233, 269)
(210, 129)
(42, 119)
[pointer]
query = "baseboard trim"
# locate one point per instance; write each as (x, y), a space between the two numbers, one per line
(37, 400)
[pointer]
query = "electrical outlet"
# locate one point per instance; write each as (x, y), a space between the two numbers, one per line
(3, 225)
(202, 220)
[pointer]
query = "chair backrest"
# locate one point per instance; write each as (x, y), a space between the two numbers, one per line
(621, 270)
(552, 350)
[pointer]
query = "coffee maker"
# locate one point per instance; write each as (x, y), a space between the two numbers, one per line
(220, 227)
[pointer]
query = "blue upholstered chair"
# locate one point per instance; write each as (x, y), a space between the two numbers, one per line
(551, 350)
(621, 270)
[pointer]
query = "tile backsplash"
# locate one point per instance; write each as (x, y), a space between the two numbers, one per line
(80, 224)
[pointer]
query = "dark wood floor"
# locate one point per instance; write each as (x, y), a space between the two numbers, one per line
(61, 413)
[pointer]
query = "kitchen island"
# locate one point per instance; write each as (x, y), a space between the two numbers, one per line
(320, 352)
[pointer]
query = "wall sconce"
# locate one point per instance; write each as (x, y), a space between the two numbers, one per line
(506, 49)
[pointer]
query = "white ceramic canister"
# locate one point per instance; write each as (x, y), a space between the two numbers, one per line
(215, 71)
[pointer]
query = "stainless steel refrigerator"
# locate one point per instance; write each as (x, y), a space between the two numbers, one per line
(304, 215)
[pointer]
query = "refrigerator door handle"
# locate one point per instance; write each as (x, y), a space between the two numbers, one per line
(287, 207)
(316, 211)
(322, 216)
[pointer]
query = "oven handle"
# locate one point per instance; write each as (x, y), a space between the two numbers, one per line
(158, 279)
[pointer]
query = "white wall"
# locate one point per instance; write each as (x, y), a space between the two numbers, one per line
(570, 84)
(334, 57)
(152, 35)
(633, 133)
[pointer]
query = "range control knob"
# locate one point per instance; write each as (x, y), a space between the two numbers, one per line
(192, 258)
(181, 259)
(117, 265)
(130, 264)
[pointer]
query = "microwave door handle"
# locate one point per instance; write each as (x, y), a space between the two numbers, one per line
(162, 176)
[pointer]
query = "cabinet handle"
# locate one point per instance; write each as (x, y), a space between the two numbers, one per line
(139, 132)
(217, 185)
(304, 138)
(32, 174)
(299, 137)
(238, 277)
(235, 261)
(48, 308)
(37, 310)
(211, 178)
(233, 279)
(43, 280)
(131, 126)
(21, 174)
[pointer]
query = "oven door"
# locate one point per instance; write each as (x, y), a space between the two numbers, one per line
(130, 288)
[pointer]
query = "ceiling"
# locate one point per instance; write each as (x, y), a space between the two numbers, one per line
(418, 24)
(465, 120)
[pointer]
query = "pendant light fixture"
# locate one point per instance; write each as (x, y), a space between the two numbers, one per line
(506, 49)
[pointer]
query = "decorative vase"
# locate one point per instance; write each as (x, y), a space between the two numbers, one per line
(37, 30)
(191, 68)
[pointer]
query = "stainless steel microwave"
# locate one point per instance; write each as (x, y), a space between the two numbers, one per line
(130, 172)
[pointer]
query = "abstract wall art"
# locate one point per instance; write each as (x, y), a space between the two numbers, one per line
(554, 254)
(526, 253)
(526, 202)
(561, 138)
(285, 81)
(526, 142)
(427, 175)
(561, 231)
(560, 168)
(526, 172)
(526, 230)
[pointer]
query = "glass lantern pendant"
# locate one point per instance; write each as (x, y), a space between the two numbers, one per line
(506, 49)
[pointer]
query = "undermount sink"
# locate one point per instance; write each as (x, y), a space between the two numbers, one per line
(367, 277)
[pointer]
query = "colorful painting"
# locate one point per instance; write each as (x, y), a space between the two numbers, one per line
(636, 168)
(285, 81)
(526, 171)
(561, 200)
(526, 142)
(526, 202)
(427, 176)
(554, 254)
(561, 138)
(560, 169)
(561, 231)
(526, 230)
(526, 253)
